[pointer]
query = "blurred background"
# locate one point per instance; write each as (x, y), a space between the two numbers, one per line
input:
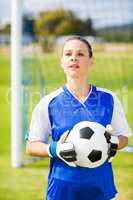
(108, 26)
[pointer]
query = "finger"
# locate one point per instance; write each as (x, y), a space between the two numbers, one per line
(69, 155)
(110, 159)
(64, 136)
(109, 128)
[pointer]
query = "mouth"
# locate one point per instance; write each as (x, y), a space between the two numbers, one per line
(74, 66)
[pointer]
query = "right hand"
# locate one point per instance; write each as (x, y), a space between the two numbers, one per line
(63, 150)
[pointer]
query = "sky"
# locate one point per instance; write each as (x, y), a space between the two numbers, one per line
(103, 12)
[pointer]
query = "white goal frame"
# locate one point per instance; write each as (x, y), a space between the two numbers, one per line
(16, 47)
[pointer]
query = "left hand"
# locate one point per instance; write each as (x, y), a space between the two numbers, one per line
(113, 143)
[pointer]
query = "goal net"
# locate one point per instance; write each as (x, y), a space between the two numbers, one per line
(109, 29)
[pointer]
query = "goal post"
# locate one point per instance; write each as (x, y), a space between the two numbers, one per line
(16, 122)
(26, 74)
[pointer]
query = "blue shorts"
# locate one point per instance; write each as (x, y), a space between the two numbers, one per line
(62, 190)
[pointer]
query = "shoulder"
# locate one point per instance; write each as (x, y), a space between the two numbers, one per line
(117, 104)
(109, 96)
(44, 102)
(107, 92)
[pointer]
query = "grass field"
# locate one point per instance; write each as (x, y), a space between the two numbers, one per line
(114, 71)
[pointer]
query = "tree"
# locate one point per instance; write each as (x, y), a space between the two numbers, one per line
(47, 22)
(62, 22)
(50, 24)
(5, 29)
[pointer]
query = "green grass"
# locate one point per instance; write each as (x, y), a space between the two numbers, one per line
(113, 71)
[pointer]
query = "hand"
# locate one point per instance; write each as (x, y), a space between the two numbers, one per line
(63, 150)
(113, 142)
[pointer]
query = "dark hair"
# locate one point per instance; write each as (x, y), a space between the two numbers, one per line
(76, 37)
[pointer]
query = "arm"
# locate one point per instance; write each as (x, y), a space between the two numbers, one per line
(115, 143)
(39, 132)
(117, 136)
(37, 148)
(120, 125)
(123, 142)
(59, 149)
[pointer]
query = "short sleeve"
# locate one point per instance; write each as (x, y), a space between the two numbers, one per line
(40, 128)
(119, 122)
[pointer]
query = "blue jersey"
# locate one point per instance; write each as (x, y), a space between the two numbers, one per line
(59, 112)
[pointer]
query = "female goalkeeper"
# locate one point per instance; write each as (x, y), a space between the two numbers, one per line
(59, 111)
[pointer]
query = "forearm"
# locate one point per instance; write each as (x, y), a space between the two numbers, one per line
(37, 149)
(123, 142)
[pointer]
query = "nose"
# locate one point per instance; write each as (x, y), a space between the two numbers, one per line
(73, 58)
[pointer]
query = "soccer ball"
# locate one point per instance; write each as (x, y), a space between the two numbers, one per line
(90, 144)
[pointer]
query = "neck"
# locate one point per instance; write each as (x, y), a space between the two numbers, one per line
(80, 88)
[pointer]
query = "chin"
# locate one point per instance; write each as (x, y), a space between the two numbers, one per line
(73, 75)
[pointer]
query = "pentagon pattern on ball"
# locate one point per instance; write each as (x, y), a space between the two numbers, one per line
(95, 155)
(86, 133)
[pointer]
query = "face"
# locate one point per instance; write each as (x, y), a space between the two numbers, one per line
(75, 59)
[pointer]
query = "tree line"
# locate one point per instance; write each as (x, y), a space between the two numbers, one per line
(53, 23)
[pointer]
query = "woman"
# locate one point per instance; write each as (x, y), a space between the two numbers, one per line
(58, 112)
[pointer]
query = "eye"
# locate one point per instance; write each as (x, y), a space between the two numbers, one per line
(80, 54)
(68, 54)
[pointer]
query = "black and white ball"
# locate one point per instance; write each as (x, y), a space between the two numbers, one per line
(90, 144)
